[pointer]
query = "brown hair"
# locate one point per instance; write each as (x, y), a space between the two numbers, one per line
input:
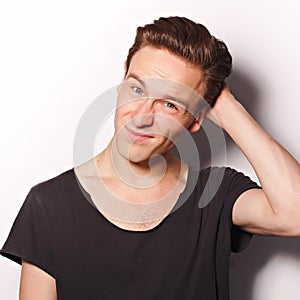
(192, 42)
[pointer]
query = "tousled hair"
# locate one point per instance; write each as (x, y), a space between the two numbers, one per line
(191, 42)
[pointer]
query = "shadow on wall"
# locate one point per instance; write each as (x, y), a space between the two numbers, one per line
(246, 265)
(210, 138)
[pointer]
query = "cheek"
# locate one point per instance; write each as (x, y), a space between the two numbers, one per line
(122, 111)
(169, 127)
(119, 118)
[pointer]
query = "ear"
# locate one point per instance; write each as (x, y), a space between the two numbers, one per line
(196, 125)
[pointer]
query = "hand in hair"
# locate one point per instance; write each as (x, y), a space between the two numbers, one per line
(223, 101)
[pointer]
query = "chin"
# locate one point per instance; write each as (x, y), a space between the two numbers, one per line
(136, 158)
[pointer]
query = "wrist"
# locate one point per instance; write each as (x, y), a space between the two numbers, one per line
(225, 109)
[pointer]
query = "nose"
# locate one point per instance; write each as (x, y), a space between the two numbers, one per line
(142, 115)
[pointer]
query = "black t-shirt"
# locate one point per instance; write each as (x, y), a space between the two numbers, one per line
(185, 257)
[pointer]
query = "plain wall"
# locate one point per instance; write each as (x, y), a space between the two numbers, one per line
(57, 57)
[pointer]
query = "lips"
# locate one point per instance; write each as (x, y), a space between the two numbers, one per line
(137, 136)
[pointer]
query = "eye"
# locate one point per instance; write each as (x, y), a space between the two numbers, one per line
(138, 90)
(170, 105)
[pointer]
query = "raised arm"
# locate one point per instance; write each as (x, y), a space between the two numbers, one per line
(275, 209)
(36, 284)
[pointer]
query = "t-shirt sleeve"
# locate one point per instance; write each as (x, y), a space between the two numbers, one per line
(238, 183)
(30, 235)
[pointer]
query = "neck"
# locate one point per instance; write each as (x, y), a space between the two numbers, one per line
(144, 174)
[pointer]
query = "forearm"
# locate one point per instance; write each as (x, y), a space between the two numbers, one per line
(276, 169)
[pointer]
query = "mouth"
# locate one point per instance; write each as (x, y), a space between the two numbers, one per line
(138, 136)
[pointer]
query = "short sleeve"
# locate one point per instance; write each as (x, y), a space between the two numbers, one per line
(30, 235)
(237, 184)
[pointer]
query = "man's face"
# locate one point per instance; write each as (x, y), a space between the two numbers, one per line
(157, 101)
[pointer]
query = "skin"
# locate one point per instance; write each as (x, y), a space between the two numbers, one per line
(36, 284)
(139, 115)
(274, 210)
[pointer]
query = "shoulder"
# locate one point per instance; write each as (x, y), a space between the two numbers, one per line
(61, 181)
(223, 176)
(54, 188)
(217, 184)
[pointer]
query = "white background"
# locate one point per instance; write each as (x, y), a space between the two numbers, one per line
(56, 57)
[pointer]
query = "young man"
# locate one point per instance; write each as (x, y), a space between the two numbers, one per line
(127, 223)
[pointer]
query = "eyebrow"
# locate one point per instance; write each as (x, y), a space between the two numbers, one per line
(136, 77)
(169, 97)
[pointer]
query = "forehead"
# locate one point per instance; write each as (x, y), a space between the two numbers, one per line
(159, 63)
